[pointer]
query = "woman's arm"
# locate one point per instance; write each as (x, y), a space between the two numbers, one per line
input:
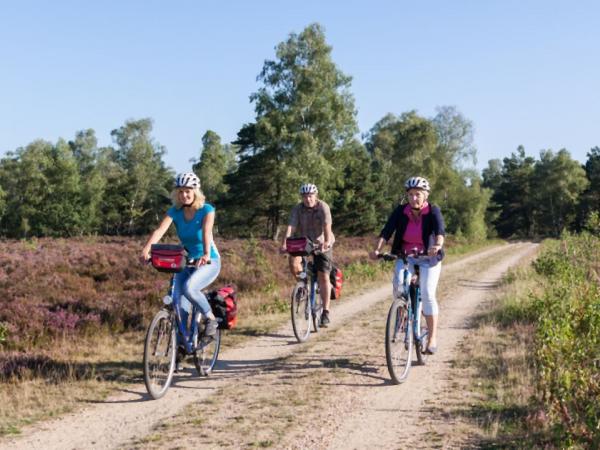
(377, 250)
(439, 232)
(155, 237)
(207, 229)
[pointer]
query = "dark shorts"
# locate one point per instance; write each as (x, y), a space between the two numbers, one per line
(323, 261)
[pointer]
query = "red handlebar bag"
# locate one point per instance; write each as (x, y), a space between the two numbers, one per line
(302, 246)
(167, 257)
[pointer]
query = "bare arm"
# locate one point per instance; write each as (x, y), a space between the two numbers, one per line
(207, 229)
(155, 237)
(377, 250)
(329, 239)
(288, 232)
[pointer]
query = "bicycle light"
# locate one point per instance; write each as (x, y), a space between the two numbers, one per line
(167, 299)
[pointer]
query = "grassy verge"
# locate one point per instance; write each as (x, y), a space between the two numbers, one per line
(530, 358)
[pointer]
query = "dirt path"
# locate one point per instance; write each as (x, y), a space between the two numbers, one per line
(332, 392)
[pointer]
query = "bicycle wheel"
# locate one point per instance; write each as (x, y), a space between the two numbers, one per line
(301, 312)
(317, 311)
(421, 338)
(206, 354)
(398, 341)
(159, 354)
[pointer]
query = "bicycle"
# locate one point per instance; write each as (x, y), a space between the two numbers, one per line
(306, 303)
(165, 331)
(405, 327)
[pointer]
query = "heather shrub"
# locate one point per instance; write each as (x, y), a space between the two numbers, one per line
(3, 333)
(56, 288)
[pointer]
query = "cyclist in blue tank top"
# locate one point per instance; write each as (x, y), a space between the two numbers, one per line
(194, 220)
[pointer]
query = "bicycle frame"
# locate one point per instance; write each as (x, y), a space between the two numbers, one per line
(181, 319)
(412, 291)
(311, 280)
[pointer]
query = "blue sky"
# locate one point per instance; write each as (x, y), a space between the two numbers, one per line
(524, 72)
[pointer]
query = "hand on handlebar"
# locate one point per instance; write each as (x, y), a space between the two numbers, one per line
(326, 246)
(204, 259)
(145, 258)
(434, 250)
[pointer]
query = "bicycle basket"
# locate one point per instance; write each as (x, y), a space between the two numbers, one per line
(302, 246)
(167, 257)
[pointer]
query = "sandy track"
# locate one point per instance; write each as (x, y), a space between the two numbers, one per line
(128, 416)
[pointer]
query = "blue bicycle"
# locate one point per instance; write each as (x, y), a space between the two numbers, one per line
(405, 326)
(168, 329)
(307, 305)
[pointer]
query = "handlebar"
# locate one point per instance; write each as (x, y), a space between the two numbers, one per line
(414, 258)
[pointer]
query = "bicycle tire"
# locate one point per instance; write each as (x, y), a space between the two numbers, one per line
(398, 342)
(421, 343)
(207, 353)
(159, 354)
(317, 311)
(301, 312)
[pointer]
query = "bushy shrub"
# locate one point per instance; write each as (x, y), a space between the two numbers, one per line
(568, 337)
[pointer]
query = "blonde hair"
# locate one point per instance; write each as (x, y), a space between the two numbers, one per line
(198, 202)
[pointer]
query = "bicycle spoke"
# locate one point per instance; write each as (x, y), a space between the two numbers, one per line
(301, 312)
(207, 352)
(159, 354)
(398, 342)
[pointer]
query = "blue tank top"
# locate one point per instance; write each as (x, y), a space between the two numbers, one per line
(190, 231)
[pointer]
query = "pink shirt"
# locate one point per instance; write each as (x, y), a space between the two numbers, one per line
(413, 236)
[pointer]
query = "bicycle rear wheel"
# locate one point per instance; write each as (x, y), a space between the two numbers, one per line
(398, 341)
(159, 354)
(301, 312)
(206, 354)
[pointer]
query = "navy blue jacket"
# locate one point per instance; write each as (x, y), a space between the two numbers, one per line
(432, 224)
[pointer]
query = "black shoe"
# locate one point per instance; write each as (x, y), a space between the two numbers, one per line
(325, 319)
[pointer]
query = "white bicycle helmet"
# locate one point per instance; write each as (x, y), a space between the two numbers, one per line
(417, 183)
(188, 180)
(308, 188)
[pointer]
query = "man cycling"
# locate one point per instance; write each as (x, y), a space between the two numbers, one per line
(312, 218)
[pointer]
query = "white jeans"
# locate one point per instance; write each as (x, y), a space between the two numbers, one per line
(428, 281)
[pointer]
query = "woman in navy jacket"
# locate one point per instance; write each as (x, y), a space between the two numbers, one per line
(418, 226)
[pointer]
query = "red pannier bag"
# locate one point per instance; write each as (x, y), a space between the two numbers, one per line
(223, 303)
(167, 257)
(337, 279)
(301, 246)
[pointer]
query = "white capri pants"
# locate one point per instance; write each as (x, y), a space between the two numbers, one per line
(428, 281)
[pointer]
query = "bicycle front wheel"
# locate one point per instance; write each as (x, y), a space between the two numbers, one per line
(301, 312)
(159, 354)
(398, 341)
(206, 353)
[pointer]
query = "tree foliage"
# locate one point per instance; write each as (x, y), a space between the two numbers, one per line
(216, 160)
(305, 116)
(535, 198)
